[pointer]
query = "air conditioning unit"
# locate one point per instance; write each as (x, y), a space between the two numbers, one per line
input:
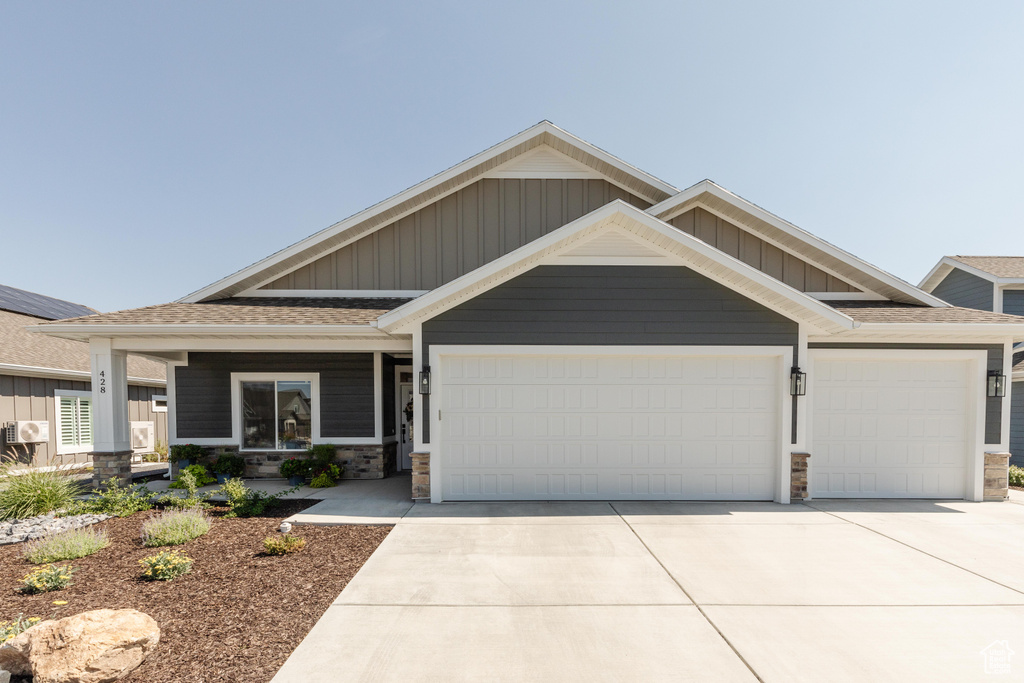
(28, 431)
(142, 437)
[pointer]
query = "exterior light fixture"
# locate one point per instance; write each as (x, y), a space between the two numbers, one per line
(797, 382)
(996, 384)
(425, 380)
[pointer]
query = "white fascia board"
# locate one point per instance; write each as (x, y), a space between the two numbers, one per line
(444, 176)
(332, 293)
(556, 241)
(665, 208)
(58, 373)
(936, 274)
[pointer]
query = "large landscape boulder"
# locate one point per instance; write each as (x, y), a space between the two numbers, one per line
(92, 647)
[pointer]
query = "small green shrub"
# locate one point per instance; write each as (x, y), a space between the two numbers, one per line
(186, 451)
(245, 502)
(323, 452)
(192, 500)
(175, 527)
(67, 545)
(198, 472)
(283, 544)
(230, 464)
(34, 492)
(1016, 476)
(165, 566)
(52, 577)
(117, 500)
(10, 629)
(294, 467)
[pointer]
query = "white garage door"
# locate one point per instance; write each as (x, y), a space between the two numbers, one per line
(527, 427)
(889, 428)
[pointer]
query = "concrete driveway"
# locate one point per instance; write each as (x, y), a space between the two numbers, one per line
(829, 591)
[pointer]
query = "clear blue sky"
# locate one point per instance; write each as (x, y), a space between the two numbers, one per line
(150, 148)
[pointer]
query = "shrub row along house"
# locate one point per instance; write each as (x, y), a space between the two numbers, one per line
(46, 390)
(545, 321)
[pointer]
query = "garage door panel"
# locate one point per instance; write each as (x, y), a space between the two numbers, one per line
(889, 428)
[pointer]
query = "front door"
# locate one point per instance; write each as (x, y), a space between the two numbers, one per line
(405, 436)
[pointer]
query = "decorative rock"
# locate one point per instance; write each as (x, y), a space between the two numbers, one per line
(5, 676)
(18, 530)
(100, 646)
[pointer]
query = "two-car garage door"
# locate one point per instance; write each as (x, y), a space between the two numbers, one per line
(604, 427)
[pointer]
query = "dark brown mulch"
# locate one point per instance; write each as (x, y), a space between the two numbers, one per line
(236, 617)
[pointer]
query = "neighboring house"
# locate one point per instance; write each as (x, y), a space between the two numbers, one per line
(569, 327)
(988, 283)
(45, 387)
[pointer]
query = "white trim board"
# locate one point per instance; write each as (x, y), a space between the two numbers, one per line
(77, 375)
(331, 293)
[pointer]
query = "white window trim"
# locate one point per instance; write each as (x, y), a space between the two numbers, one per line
(154, 407)
(67, 450)
(236, 403)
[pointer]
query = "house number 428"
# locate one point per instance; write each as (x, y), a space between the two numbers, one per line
(103, 381)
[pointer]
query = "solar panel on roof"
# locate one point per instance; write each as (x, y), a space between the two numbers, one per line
(30, 303)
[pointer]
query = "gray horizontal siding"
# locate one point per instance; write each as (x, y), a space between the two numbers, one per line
(1013, 301)
(961, 288)
(1017, 424)
(203, 390)
(602, 305)
(993, 406)
(456, 234)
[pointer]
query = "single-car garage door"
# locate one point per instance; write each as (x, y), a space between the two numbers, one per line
(575, 427)
(889, 427)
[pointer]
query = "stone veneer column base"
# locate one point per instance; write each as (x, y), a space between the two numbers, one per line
(421, 476)
(107, 466)
(997, 476)
(798, 476)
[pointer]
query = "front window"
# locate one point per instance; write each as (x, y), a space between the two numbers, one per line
(277, 415)
(74, 421)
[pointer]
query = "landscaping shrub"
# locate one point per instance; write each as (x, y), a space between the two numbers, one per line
(175, 527)
(283, 544)
(186, 451)
(322, 468)
(294, 467)
(326, 476)
(245, 502)
(35, 492)
(202, 477)
(67, 545)
(116, 499)
(52, 577)
(10, 629)
(191, 501)
(229, 464)
(165, 566)
(1016, 476)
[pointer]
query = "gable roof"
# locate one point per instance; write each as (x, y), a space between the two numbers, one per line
(998, 269)
(661, 239)
(789, 237)
(25, 353)
(386, 212)
(38, 305)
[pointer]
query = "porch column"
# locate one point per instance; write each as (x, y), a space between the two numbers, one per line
(112, 453)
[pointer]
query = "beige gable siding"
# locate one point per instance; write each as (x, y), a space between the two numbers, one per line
(758, 253)
(456, 234)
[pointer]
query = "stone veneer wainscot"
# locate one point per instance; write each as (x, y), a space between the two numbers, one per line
(360, 462)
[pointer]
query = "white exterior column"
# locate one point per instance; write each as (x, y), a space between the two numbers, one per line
(111, 429)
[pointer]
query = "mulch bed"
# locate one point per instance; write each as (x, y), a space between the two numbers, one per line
(236, 617)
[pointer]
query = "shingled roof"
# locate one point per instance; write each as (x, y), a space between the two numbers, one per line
(251, 311)
(1000, 266)
(20, 347)
(892, 312)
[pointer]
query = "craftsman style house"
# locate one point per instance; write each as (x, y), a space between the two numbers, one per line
(564, 326)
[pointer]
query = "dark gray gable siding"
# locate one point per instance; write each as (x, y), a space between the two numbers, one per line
(1013, 301)
(1017, 424)
(993, 406)
(961, 288)
(601, 305)
(203, 390)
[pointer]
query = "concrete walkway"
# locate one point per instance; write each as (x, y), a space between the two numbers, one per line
(830, 591)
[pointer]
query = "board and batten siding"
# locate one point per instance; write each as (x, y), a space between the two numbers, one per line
(754, 251)
(961, 288)
(1017, 424)
(455, 235)
(1013, 301)
(32, 398)
(610, 305)
(203, 390)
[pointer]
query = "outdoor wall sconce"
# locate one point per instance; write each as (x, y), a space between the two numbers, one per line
(996, 384)
(425, 380)
(797, 383)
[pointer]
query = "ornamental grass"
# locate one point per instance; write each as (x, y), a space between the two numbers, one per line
(66, 545)
(174, 527)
